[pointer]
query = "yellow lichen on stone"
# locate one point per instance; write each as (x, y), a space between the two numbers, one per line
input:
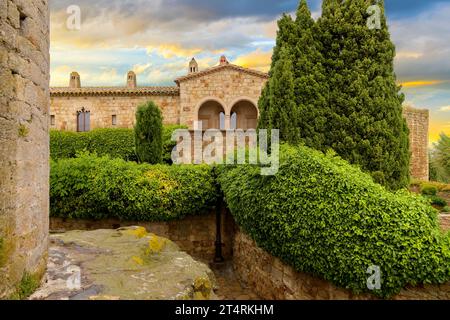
(202, 288)
(138, 232)
(138, 260)
(155, 244)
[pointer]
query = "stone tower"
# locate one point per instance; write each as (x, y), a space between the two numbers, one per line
(131, 80)
(75, 80)
(193, 66)
(24, 141)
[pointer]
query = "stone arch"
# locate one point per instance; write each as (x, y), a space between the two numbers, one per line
(212, 113)
(245, 112)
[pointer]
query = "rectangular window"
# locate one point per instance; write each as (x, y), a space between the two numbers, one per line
(52, 120)
(114, 120)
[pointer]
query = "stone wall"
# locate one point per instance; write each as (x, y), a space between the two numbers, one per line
(194, 234)
(271, 279)
(444, 220)
(418, 123)
(24, 150)
(64, 108)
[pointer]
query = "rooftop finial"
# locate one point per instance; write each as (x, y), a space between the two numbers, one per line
(223, 60)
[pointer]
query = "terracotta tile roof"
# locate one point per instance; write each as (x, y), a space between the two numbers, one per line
(222, 67)
(114, 91)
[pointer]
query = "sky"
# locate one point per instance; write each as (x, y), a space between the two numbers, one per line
(157, 39)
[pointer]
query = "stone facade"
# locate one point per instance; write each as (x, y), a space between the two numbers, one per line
(24, 150)
(271, 279)
(418, 123)
(444, 220)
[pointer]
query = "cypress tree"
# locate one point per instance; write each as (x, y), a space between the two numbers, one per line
(148, 133)
(310, 81)
(280, 111)
(366, 126)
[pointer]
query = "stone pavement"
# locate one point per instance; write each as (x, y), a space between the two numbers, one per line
(228, 286)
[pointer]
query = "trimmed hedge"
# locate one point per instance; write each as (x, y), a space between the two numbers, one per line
(91, 187)
(326, 217)
(115, 143)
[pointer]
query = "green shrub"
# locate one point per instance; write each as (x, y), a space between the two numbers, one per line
(428, 190)
(168, 144)
(446, 209)
(148, 133)
(91, 187)
(116, 143)
(326, 217)
(437, 201)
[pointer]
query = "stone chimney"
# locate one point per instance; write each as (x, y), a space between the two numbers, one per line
(193, 66)
(223, 61)
(131, 80)
(75, 80)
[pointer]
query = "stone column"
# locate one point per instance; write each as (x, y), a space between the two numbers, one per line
(227, 122)
(24, 141)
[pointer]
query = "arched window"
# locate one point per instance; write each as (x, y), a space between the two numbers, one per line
(83, 120)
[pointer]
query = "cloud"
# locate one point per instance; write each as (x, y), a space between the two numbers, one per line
(445, 109)
(141, 68)
(257, 59)
(421, 83)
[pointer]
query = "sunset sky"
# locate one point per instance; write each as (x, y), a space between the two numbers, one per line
(157, 38)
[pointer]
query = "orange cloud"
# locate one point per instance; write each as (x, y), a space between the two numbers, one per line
(421, 83)
(255, 60)
(174, 50)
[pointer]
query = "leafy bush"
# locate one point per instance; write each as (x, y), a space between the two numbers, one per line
(326, 217)
(428, 190)
(116, 143)
(91, 187)
(148, 133)
(446, 209)
(437, 201)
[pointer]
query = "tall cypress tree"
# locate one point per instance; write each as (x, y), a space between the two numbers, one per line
(366, 123)
(310, 81)
(281, 109)
(148, 133)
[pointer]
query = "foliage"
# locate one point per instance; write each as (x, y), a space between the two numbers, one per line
(116, 143)
(148, 133)
(440, 160)
(441, 187)
(326, 217)
(90, 187)
(437, 201)
(446, 209)
(428, 190)
(345, 92)
(27, 286)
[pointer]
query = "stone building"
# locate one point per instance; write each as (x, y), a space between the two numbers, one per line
(221, 97)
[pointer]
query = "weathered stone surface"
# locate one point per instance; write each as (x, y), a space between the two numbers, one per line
(24, 151)
(122, 264)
